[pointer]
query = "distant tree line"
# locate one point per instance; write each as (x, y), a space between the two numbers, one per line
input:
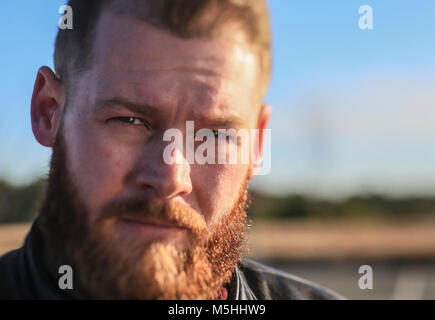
(368, 206)
(21, 204)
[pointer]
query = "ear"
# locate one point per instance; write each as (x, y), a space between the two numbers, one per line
(46, 106)
(262, 123)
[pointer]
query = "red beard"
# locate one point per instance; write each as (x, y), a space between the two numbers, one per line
(137, 270)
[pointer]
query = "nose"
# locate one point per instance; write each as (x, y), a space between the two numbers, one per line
(167, 179)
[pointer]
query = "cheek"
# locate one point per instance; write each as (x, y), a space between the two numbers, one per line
(97, 166)
(216, 188)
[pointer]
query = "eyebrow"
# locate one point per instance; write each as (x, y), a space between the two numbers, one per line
(136, 107)
(230, 121)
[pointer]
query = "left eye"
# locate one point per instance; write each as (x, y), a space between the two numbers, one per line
(131, 120)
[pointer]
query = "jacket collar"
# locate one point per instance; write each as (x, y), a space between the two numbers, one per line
(239, 288)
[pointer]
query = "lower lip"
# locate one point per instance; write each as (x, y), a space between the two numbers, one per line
(149, 230)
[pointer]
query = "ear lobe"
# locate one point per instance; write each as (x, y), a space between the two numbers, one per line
(46, 106)
(262, 123)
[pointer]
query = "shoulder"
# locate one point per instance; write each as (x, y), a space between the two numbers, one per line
(270, 283)
(9, 282)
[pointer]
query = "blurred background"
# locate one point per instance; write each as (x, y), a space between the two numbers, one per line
(353, 141)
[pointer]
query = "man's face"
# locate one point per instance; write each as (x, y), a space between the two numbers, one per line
(170, 81)
(144, 81)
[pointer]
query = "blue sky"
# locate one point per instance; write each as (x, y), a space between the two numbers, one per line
(353, 109)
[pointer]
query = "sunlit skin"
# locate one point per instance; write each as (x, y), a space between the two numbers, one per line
(142, 82)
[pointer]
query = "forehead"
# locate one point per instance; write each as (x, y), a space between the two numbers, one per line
(143, 62)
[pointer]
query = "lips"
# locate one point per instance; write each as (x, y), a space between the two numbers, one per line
(151, 222)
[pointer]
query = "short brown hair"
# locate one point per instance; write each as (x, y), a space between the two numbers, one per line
(183, 18)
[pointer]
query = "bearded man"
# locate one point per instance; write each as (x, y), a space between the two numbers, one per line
(129, 224)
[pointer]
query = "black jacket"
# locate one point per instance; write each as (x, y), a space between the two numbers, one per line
(22, 276)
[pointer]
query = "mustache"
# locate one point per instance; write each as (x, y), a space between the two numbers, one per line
(179, 214)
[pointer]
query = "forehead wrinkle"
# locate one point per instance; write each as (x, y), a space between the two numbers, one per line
(110, 38)
(184, 69)
(208, 60)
